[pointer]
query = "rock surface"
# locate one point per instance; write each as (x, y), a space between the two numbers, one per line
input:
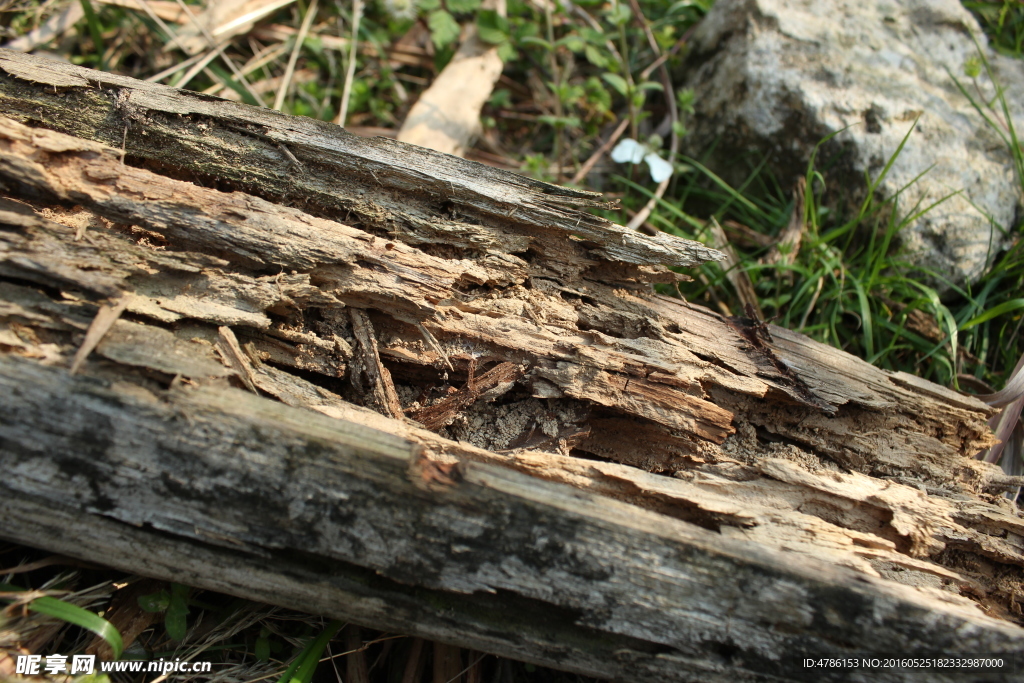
(777, 76)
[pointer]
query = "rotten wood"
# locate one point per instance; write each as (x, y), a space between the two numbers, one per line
(101, 324)
(707, 498)
(412, 193)
(385, 397)
(489, 385)
(269, 500)
(446, 116)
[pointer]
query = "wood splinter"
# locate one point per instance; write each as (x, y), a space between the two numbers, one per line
(101, 324)
(442, 413)
(383, 387)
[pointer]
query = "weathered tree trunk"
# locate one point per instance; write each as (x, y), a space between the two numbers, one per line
(321, 365)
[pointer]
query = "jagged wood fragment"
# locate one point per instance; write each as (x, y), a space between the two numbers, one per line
(441, 414)
(702, 501)
(239, 484)
(775, 441)
(385, 181)
(679, 375)
(234, 358)
(105, 318)
(384, 394)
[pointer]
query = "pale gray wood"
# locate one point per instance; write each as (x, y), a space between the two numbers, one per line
(224, 490)
(346, 175)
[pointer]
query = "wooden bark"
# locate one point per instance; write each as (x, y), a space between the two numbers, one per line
(710, 499)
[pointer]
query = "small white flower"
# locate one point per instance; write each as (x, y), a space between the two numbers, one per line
(633, 152)
(400, 9)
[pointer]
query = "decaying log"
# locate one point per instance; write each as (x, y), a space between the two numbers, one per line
(228, 491)
(709, 499)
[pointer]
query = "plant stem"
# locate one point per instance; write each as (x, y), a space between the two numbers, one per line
(556, 79)
(289, 71)
(350, 72)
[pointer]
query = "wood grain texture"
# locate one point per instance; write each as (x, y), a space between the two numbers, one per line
(706, 496)
(266, 499)
(401, 188)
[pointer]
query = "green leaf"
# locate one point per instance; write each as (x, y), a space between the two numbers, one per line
(560, 121)
(500, 98)
(155, 602)
(507, 53)
(521, 31)
(462, 6)
(491, 27)
(972, 67)
(651, 85)
(262, 647)
(598, 95)
(617, 82)
(666, 37)
(571, 41)
(177, 610)
(568, 93)
(444, 30)
(73, 614)
(595, 57)
(685, 98)
(428, 5)
(535, 42)
(619, 15)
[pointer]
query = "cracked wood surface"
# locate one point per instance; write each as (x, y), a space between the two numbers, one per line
(415, 193)
(239, 485)
(536, 352)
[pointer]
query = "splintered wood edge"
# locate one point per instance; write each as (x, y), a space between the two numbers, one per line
(274, 480)
(486, 189)
(441, 477)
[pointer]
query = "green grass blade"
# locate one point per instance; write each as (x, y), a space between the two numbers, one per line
(230, 82)
(672, 208)
(994, 312)
(304, 665)
(892, 159)
(1011, 132)
(73, 614)
(95, 31)
(718, 181)
(944, 318)
(866, 319)
(977, 107)
(917, 342)
(975, 306)
(814, 154)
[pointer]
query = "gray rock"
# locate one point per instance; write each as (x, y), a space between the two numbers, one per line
(777, 76)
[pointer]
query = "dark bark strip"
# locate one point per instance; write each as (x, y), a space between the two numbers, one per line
(266, 499)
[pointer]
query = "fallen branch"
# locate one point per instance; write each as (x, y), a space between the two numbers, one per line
(708, 498)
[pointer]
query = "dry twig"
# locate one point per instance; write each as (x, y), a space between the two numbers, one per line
(350, 71)
(286, 82)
